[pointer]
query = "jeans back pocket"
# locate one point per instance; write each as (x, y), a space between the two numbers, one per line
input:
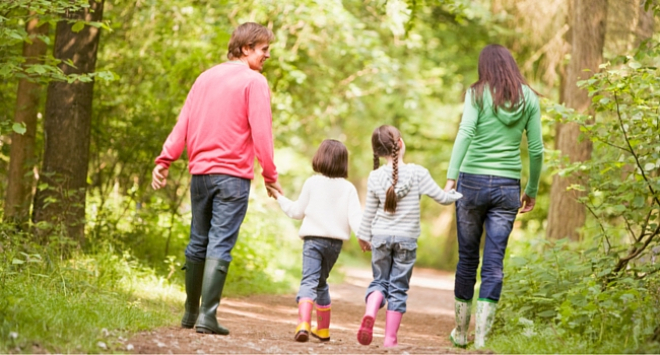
(406, 252)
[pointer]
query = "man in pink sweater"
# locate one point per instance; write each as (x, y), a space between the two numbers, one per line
(225, 121)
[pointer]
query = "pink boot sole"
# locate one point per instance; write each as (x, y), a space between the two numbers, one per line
(365, 334)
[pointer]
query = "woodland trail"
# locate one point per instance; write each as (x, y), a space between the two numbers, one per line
(265, 324)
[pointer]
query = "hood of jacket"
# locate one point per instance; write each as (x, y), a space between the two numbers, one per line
(508, 118)
(405, 183)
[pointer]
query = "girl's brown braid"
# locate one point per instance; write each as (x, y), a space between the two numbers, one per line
(390, 197)
(376, 161)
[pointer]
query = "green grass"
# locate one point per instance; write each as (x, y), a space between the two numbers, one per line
(93, 301)
(547, 341)
(89, 303)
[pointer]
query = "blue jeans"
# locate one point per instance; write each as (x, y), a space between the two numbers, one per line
(493, 202)
(319, 256)
(219, 203)
(392, 261)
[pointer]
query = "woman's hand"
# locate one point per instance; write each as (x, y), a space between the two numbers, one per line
(364, 245)
(527, 203)
(451, 183)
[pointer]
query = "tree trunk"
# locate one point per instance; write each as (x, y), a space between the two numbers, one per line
(645, 24)
(21, 157)
(67, 130)
(588, 36)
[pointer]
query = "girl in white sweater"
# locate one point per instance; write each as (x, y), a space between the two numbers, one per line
(330, 209)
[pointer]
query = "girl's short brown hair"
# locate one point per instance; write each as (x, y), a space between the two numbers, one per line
(331, 159)
(248, 34)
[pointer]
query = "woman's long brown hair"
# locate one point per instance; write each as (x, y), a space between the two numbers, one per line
(499, 72)
(384, 142)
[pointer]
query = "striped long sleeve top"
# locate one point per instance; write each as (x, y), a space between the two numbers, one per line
(414, 181)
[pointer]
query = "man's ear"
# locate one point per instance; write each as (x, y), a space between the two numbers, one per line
(245, 50)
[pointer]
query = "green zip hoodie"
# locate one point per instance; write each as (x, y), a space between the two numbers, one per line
(488, 143)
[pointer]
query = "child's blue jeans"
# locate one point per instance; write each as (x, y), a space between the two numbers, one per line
(491, 202)
(392, 261)
(319, 256)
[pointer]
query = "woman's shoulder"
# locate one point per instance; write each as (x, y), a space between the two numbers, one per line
(529, 93)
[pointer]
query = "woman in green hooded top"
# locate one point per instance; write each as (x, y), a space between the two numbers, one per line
(498, 109)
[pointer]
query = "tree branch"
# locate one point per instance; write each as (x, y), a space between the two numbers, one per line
(602, 228)
(632, 151)
(632, 234)
(611, 144)
(638, 277)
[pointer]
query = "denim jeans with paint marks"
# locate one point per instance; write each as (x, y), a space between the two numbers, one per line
(491, 202)
(392, 261)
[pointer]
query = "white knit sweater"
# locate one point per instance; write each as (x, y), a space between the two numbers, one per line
(329, 207)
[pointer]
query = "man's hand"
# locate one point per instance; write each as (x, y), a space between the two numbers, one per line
(159, 177)
(275, 186)
(273, 193)
(527, 203)
(364, 245)
(450, 185)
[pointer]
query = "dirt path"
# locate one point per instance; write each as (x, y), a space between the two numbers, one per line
(265, 324)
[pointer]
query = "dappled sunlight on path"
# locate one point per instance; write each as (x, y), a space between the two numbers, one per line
(265, 323)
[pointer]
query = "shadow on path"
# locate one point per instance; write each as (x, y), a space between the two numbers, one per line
(265, 323)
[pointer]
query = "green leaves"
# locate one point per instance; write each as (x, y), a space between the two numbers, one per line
(19, 128)
(78, 26)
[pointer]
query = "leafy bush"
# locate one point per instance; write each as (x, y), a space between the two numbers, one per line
(554, 294)
(602, 295)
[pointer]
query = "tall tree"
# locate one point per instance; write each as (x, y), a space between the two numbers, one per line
(645, 24)
(60, 200)
(21, 158)
(588, 24)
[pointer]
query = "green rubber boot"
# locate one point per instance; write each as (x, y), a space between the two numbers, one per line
(194, 277)
(485, 317)
(459, 336)
(215, 274)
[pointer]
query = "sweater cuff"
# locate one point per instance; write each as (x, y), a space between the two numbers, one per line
(366, 239)
(452, 173)
(162, 162)
(531, 191)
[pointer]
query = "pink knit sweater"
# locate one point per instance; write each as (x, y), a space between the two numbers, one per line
(224, 122)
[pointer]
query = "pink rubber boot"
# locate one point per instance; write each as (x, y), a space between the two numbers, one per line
(392, 322)
(305, 306)
(365, 334)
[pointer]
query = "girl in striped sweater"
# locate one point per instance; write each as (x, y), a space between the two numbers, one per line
(390, 228)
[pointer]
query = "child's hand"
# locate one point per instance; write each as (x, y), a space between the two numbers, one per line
(451, 196)
(273, 192)
(366, 246)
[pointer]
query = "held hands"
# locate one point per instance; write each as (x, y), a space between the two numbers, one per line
(159, 177)
(274, 189)
(364, 245)
(527, 203)
(451, 195)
